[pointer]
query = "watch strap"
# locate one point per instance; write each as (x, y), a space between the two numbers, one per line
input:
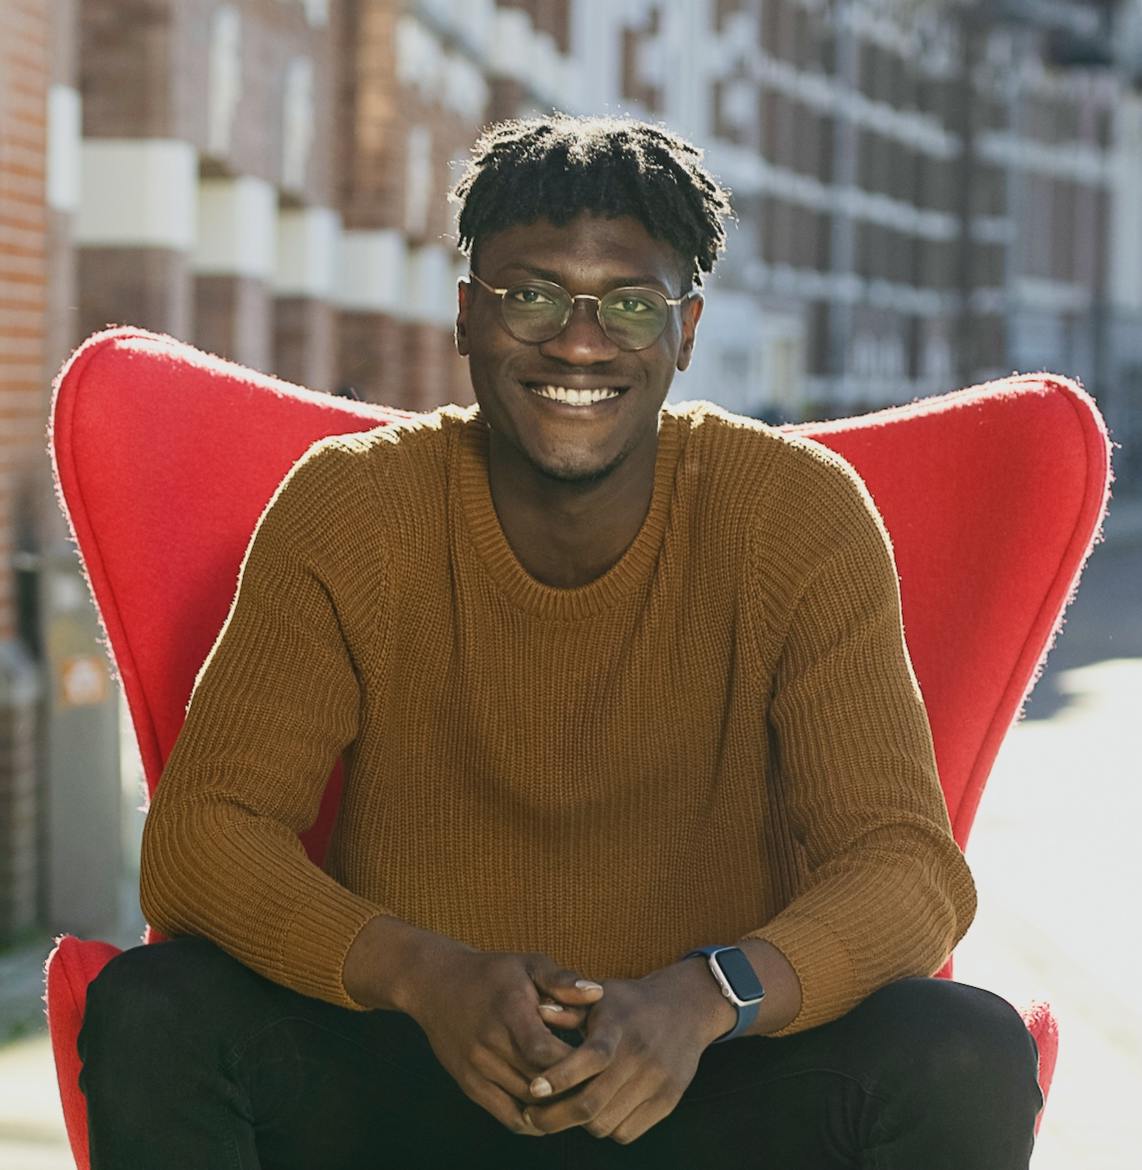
(747, 1012)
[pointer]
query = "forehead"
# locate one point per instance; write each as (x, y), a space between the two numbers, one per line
(589, 249)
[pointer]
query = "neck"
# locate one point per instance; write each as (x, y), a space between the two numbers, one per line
(566, 534)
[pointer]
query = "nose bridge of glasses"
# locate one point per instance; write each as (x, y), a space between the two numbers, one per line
(570, 333)
(596, 316)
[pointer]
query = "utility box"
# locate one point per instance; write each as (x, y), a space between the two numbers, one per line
(81, 808)
(19, 806)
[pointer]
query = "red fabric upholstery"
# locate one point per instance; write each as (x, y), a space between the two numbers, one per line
(993, 497)
(1042, 1025)
(69, 969)
(162, 526)
(165, 457)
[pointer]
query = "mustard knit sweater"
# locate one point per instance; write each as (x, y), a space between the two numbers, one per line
(720, 737)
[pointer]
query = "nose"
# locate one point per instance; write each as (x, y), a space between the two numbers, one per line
(582, 341)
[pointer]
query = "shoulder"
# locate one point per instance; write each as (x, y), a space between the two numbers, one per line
(405, 447)
(776, 480)
(345, 488)
(786, 504)
(396, 443)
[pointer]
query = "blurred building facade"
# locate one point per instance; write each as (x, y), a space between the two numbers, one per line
(25, 78)
(929, 194)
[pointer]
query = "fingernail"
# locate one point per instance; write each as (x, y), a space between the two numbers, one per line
(550, 1007)
(541, 1087)
(587, 985)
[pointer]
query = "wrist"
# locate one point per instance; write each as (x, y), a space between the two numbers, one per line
(391, 963)
(713, 1015)
(427, 957)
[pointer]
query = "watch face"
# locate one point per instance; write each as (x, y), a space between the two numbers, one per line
(739, 973)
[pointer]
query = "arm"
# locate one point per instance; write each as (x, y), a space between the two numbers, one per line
(888, 893)
(273, 706)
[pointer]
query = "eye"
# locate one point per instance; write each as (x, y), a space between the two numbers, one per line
(632, 304)
(528, 294)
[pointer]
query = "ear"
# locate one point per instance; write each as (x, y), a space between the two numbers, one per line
(691, 314)
(463, 300)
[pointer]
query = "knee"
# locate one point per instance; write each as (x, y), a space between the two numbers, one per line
(142, 992)
(960, 1038)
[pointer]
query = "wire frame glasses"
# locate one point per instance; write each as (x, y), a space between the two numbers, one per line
(535, 311)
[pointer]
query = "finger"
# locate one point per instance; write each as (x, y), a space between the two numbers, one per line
(645, 1117)
(493, 1067)
(623, 1105)
(505, 1109)
(559, 1016)
(519, 1038)
(530, 1129)
(560, 983)
(569, 993)
(588, 1106)
(591, 992)
(533, 1046)
(592, 1057)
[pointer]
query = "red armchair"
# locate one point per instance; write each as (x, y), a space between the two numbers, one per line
(164, 458)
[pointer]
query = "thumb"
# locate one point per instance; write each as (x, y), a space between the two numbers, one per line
(566, 986)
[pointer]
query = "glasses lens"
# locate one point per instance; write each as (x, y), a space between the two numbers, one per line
(633, 318)
(536, 310)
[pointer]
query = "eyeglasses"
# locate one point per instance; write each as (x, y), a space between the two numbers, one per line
(538, 310)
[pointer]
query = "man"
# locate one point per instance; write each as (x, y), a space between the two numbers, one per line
(627, 717)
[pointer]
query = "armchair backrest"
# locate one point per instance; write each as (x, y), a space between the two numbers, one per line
(994, 497)
(166, 456)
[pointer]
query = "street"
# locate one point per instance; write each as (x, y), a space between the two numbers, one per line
(1056, 858)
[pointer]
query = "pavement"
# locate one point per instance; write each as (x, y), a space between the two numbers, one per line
(1054, 852)
(32, 1135)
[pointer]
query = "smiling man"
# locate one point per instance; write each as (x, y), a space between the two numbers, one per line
(641, 839)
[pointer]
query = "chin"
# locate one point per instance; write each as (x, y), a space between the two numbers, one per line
(573, 471)
(565, 473)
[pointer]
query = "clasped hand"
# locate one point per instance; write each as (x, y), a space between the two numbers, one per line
(641, 1051)
(484, 1015)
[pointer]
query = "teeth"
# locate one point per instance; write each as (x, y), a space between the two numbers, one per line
(575, 397)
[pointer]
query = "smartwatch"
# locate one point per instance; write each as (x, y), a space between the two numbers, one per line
(738, 981)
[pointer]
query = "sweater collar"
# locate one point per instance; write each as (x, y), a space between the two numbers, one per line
(628, 574)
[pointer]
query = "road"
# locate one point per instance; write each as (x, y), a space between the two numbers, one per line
(1056, 857)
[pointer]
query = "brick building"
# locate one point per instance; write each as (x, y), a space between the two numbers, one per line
(928, 195)
(923, 200)
(26, 42)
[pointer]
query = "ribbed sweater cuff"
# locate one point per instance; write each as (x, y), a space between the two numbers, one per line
(823, 967)
(316, 944)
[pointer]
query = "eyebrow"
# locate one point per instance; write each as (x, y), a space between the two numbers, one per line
(621, 282)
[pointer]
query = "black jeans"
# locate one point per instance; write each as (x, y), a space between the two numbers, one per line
(193, 1061)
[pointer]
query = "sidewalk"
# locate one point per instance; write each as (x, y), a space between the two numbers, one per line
(32, 1135)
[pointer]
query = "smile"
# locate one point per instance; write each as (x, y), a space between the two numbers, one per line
(576, 397)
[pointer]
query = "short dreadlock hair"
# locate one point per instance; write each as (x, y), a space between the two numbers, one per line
(559, 166)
